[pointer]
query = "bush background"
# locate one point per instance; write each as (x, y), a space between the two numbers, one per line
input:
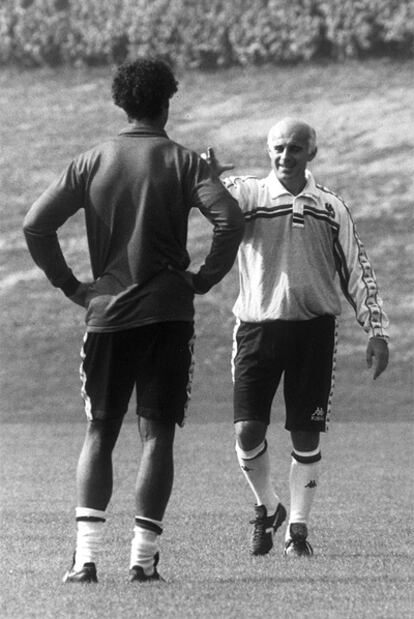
(204, 34)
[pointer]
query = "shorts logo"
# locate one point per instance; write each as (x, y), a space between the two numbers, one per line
(311, 484)
(318, 415)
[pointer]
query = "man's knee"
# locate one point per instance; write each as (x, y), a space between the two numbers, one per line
(151, 430)
(305, 441)
(103, 432)
(250, 434)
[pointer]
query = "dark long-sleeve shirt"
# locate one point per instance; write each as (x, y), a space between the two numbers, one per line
(137, 190)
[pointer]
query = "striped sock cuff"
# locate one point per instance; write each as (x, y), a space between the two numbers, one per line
(88, 514)
(307, 457)
(149, 524)
(252, 453)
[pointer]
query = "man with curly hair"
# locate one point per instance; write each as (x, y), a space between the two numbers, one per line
(136, 190)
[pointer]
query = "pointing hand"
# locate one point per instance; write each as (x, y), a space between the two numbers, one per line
(217, 167)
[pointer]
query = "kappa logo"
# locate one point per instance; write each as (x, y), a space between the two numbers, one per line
(311, 484)
(318, 415)
(330, 210)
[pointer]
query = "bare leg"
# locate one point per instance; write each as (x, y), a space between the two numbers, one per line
(94, 490)
(305, 441)
(156, 471)
(94, 473)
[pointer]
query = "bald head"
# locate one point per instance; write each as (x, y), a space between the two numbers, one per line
(291, 144)
(289, 128)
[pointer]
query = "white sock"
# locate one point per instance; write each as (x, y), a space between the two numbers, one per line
(144, 544)
(89, 535)
(255, 465)
(303, 480)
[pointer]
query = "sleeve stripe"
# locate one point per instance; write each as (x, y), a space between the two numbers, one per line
(343, 272)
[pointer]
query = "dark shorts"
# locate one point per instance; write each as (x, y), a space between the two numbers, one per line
(304, 352)
(156, 359)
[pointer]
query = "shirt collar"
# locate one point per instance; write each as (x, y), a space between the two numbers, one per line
(142, 129)
(278, 190)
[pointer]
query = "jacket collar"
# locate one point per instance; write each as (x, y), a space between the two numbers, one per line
(137, 129)
(278, 190)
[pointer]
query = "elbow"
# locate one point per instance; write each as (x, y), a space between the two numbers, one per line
(28, 223)
(34, 225)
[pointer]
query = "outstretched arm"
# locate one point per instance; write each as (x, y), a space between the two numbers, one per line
(209, 195)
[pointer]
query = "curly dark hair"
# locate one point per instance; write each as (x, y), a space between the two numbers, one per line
(143, 87)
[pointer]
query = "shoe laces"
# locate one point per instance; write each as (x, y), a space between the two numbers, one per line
(261, 523)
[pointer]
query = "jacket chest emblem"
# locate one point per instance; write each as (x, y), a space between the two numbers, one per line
(330, 210)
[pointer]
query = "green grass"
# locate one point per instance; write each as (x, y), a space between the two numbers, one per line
(360, 530)
(363, 513)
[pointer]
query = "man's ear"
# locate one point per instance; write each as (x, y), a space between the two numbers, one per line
(313, 154)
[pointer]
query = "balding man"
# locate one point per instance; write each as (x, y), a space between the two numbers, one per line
(299, 236)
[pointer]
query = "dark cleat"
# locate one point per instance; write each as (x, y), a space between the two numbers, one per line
(137, 574)
(265, 527)
(297, 545)
(87, 574)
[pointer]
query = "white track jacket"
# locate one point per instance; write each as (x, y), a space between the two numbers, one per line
(293, 248)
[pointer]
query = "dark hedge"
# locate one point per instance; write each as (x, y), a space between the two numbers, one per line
(203, 34)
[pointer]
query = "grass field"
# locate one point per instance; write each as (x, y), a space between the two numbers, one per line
(362, 518)
(361, 527)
